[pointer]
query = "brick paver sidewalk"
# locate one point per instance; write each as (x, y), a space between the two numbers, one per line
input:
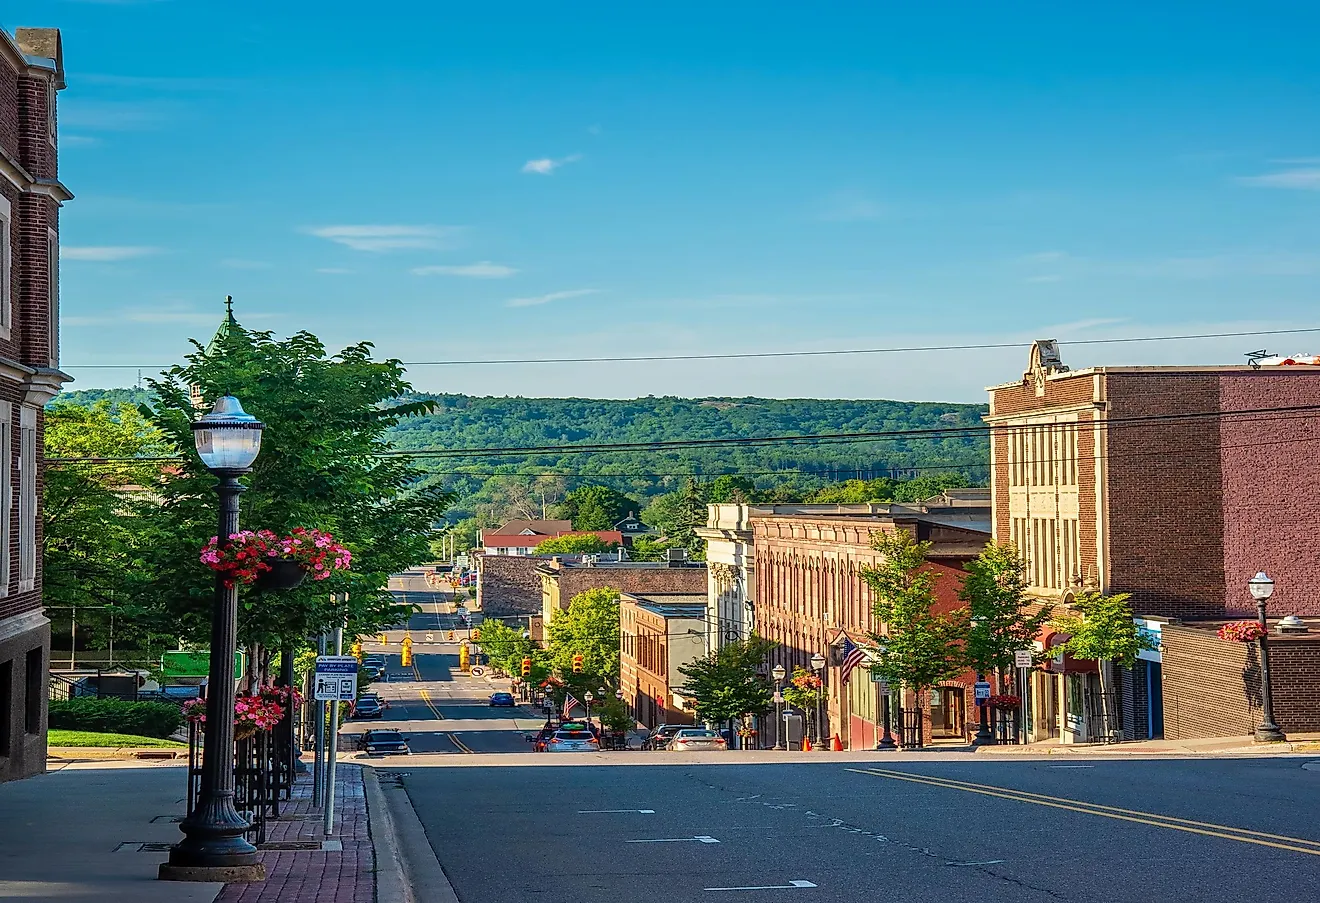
(304, 876)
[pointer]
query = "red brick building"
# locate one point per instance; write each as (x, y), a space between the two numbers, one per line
(1174, 484)
(658, 634)
(809, 594)
(31, 73)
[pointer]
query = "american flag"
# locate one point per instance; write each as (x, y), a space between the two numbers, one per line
(569, 704)
(852, 657)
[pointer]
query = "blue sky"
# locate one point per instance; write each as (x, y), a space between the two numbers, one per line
(464, 180)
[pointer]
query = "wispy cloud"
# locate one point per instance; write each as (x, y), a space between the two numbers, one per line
(106, 253)
(1299, 178)
(389, 238)
(334, 271)
(235, 263)
(113, 116)
(851, 207)
(157, 82)
(481, 270)
(547, 165)
(1045, 257)
(78, 141)
(183, 313)
(553, 296)
(1047, 277)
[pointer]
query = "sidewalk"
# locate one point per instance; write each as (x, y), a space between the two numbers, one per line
(96, 832)
(1224, 746)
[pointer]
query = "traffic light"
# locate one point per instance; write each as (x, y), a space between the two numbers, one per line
(476, 634)
(357, 650)
(384, 640)
(451, 636)
(407, 656)
(527, 667)
(577, 664)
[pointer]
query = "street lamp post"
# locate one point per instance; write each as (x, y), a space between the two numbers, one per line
(887, 738)
(213, 847)
(818, 665)
(1262, 587)
(983, 736)
(779, 673)
(588, 696)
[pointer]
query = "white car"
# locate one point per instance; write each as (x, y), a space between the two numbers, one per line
(691, 738)
(573, 741)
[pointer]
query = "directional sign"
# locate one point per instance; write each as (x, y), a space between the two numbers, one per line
(478, 671)
(336, 678)
(982, 690)
(430, 637)
(1022, 658)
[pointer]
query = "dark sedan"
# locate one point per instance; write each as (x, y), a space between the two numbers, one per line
(504, 699)
(385, 743)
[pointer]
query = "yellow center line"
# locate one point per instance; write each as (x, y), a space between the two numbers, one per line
(426, 698)
(459, 743)
(1242, 835)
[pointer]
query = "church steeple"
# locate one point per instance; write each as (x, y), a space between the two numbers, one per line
(217, 342)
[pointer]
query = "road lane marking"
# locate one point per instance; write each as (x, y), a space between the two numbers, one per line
(426, 698)
(700, 838)
(1208, 829)
(459, 743)
(1072, 766)
(607, 811)
(982, 862)
(797, 882)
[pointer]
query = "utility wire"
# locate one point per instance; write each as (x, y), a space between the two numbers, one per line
(981, 346)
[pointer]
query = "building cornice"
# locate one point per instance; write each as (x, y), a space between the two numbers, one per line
(15, 372)
(1042, 412)
(9, 50)
(24, 181)
(43, 385)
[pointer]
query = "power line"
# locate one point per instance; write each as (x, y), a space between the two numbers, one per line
(980, 346)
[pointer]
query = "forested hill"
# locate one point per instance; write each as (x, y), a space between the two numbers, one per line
(462, 421)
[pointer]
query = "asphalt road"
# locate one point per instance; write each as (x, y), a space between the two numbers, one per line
(895, 829)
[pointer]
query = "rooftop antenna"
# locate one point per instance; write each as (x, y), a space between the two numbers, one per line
(1254, 358)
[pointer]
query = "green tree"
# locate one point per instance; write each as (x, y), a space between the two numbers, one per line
(725, 685)
(597, 507)
(927, 486)
(574, 544)
(1001, 616)
(855, 492)
(323, 464)
(645, 548)
(731, 489)
(90, 538)
(919, 648)
(1101, 629)
(589, 627)
(677, 515)
(505, 648)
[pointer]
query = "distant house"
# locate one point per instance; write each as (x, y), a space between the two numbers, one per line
(521, 537)
(630, 528)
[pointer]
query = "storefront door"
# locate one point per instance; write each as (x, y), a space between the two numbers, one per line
(946, 712)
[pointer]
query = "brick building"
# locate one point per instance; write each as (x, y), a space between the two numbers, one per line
(1174, 484)
(509, 589)
(658, 634)
(521, 537)
(563, 578)
(809, 594)
(31, 73)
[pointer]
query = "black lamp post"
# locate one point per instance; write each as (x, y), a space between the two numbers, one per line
(779, 674)
(983, 736)
(1262, 587)
(588, 696)
(887, 738)
(213, 848)
(818, 665)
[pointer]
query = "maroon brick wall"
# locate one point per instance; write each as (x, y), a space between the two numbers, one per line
(640, 581)
(1165, 498)
(1271, 481)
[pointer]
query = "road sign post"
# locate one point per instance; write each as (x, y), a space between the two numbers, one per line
(1022, 658)
(336, 683)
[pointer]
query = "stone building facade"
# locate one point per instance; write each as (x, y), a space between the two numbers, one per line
(31, 75)
(562, 579)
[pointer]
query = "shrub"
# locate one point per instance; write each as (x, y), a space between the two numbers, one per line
(116, 716)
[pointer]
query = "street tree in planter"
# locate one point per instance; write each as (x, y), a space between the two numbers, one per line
(1001, 619)
(803, 692)
(918, 647)
(323, 465)
(725, 685)
(1101, 629)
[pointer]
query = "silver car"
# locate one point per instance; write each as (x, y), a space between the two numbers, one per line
(691, 738)
(573, 741)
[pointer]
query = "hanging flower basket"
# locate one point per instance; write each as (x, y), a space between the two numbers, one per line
(281, 573)
(1005, 701)
(256, 557)
(252, 712)
(1242, 631)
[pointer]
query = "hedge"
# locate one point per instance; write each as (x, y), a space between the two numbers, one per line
(116, 716)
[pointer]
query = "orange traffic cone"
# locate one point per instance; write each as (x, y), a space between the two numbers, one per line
(836, 744)
(806, 745)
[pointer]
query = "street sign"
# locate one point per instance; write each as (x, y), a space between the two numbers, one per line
(336, 678)
(982, 690)
(1022, 658)
(478, 671)
(430, 637)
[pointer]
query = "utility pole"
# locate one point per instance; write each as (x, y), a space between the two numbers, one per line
(329, 822)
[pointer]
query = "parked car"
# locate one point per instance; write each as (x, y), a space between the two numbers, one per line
(542, 739)
(660, 737)
(369, 706)
(385, 743)
(693, 738)
(374, 671)
(572, 741)
(502, 699)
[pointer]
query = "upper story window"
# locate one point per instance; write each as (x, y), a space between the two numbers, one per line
(53, 295)
(1042, 454)
(6, 267)
(50, 110)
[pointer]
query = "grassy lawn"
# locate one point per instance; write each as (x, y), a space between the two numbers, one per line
(92, 738)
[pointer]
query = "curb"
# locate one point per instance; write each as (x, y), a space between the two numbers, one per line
(407, 870)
